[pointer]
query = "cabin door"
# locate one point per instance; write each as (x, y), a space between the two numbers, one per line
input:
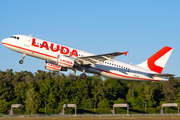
(27, 41)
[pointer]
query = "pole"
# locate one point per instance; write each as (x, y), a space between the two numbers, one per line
(21, 110)
(145, 107)
(94, 106)
(63, 110)
(45, 107)
(75, 109)
(178, 110)
(127, 109)
(113, 110)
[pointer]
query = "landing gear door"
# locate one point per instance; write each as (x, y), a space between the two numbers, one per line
(27, 41)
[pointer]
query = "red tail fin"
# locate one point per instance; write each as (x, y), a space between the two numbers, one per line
(157, 62)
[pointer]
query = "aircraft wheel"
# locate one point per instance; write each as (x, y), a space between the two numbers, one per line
(21, 62)
(83, 76)
(74, 78)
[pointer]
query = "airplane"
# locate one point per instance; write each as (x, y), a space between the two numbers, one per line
(61, 58)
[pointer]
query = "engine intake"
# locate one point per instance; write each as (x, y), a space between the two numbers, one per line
(66, 61)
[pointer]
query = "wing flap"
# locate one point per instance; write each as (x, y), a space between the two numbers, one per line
(98, 58)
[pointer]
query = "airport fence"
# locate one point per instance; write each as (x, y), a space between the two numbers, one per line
(94, 115)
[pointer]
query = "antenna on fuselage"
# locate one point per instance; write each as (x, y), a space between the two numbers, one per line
(30, 35)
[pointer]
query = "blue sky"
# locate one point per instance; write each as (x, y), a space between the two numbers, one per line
(97, 26)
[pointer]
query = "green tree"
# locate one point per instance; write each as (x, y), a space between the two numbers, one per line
(31, 102)
(6, 88)
(20, 92)
(104, 103)
(4, 106)
(170, 89)
(119, 100)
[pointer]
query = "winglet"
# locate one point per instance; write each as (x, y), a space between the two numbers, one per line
(125, 53)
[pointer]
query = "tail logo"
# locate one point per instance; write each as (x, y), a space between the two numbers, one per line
(151, 61)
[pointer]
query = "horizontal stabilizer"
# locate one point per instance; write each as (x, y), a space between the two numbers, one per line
(161, 75)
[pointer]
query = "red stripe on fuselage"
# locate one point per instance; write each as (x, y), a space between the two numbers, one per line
(71, 66)
(29, 50)
(35, 52)
(124, 75)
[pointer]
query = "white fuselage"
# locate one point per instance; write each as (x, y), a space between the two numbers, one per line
(114, 69)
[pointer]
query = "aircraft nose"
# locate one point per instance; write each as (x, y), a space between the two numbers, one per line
(3, 41)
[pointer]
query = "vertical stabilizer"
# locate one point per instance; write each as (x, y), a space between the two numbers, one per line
(157, 62)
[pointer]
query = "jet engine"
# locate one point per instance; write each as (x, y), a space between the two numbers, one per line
(66, 61)
(53, 67)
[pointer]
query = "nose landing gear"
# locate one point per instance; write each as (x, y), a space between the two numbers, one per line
(21, 61)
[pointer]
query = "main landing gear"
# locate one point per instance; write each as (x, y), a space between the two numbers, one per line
(21, 61)
(74, 77)
(83, 76)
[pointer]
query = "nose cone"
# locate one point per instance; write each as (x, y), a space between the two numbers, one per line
(3, 41)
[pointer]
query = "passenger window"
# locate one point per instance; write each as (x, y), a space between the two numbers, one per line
(18, 38)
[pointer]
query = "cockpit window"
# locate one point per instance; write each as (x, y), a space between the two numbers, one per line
(14, 37)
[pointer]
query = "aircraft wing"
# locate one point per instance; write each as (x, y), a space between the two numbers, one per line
(98, 58)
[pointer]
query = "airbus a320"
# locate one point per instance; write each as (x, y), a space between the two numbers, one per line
(61, 58)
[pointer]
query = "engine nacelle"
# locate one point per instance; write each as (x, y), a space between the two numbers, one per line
(53, 67)
(66, 61)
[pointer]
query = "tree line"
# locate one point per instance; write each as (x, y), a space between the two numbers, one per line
(52, 90)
